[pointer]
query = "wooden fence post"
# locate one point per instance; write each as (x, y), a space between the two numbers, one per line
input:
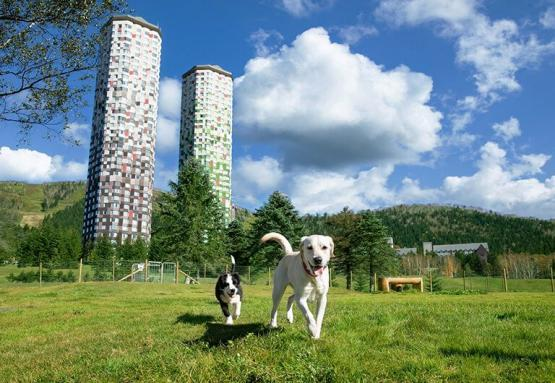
(375, 282)
(464, 281)
(146, 270)
(552, 283)
(205, 270)
(249, 275)
(177, 273)
(40, 274)
(431, 285)
(505, 279)
(80, 269)
(162, 273)
(113, 268)
(470, 280)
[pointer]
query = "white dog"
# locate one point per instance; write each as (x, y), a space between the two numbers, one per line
(307, 272)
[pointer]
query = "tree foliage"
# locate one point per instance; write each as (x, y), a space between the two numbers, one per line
(191, 224)
(370, 248)
(277, 215)
(48, 53)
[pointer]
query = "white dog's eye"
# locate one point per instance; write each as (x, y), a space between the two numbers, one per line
(309, 247)
(324, 247)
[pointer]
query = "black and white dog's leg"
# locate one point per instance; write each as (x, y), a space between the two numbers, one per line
(290, 302)
(225, 310)
(320, 311)
(236, 310)
(310, 321)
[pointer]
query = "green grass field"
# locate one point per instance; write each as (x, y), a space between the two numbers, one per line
(151, 332)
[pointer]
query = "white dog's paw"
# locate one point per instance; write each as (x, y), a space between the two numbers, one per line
(313, 329)
(235, 316)
(290, 316)
(273, 324)
(229, 321)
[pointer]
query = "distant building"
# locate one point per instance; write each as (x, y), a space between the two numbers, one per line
(406, 251)
(480, 248)
(206, 125)
(118, 200)
(466, 248)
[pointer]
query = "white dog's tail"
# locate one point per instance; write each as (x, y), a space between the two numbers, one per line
(283, 242)
(233, 263)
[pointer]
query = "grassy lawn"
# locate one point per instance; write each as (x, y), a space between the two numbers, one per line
(151, 332)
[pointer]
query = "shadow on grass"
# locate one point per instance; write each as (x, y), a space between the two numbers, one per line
(499, 355)
(194, 318)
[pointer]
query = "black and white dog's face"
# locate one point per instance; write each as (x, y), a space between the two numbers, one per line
(228, 284)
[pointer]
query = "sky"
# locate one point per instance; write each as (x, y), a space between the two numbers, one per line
(365, 104)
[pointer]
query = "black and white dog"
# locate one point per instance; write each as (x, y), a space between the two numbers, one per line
(229, 292)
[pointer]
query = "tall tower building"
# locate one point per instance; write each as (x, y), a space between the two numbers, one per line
(206, 113)
(118, 202)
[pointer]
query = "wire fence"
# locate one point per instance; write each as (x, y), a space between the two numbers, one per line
(139, 271)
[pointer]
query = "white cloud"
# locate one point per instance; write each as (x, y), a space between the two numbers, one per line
(328, 107)
(167, 134)
(169, 112)
(548, 18)
(265, 42)
(496, 50)
(254, 177)
(530, 164)
(414, 12)
(169, 100)
(352, 34)
(497, 185)
(77, 133)
(508, 129)
(301, 8)
(32, 166)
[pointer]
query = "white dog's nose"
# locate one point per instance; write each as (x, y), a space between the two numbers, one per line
(318, 260)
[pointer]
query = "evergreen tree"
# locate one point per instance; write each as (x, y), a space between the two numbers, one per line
(238, 242)
(277, 215)
(369, 241)
(342, 226)
(191, 224)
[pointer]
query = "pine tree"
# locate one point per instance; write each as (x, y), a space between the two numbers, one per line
(342, 226)
(237, 242)
(369, 241)
(277, 215)
(191, 224)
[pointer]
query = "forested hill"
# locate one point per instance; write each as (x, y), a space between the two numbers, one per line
(22, 203)
(410, 225)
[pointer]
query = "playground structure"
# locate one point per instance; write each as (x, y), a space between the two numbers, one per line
(385, 283)
(157, 272)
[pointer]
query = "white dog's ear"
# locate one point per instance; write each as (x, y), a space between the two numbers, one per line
(332, 245)
(301, 243)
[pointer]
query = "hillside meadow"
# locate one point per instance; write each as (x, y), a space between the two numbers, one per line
(150, 332)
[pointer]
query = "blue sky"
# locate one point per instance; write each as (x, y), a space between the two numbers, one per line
(356, 103)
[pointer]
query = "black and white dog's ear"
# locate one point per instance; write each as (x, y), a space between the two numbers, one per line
(236, 278)
(332, 247)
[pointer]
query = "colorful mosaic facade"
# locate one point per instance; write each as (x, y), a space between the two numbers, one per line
(206, 125)
(118, 202)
